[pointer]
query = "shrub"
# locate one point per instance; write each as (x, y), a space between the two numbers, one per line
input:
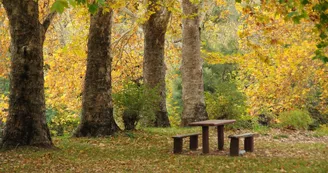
(266, 117)
(295, 119)
(137, 102)
(249, 122)
(174, 99)
(318, 118)
(225, 103)
(322, 131)
(61, 122)
(243, 122)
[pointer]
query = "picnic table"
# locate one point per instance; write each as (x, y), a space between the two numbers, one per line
(205, 133)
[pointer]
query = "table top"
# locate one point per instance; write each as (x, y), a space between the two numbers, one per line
(212, 122)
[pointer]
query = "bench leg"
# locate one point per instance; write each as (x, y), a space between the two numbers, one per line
(249, 144)
(234, 147)
(193, 145)
(206, 145)
(220, 130)
(177, 146)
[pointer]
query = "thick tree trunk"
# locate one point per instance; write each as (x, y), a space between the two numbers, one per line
(97, 109)
(154, 66)
(191, 68)
(26, 124)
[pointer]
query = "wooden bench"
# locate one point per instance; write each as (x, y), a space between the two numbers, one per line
(178, 142)
(248, 144)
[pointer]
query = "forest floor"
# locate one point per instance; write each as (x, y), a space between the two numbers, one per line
(150, 150)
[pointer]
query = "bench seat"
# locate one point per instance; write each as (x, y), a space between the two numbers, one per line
(245, 135)
(178, 142)
(248, 143)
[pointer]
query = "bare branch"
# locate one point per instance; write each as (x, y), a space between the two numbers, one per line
(47, 21)
(130, 13)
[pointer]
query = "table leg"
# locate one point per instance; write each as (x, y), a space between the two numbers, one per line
(206, 146)
(220, 137)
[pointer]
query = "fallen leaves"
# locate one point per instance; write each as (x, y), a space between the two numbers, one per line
(151, 151)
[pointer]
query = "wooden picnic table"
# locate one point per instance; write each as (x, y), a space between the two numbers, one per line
(205, 133)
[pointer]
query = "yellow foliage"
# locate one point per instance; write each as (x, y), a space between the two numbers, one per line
(277, 72)
(3, 108)
(4, 61)
(65, 62)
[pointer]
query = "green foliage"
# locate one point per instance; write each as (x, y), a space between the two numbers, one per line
(59, 6)
(280, 136)
(266, 117)
(224, 103)
(174, 115)
(4, 86)
(318, 117)
(218, 74)
(177, 93)
(296, 119)
(61, 123)
(322, 131)
(92, 6)
(137, 99)
(4, 94)
(243, 122)
(260, 128)
(223, 99)
(175, 105)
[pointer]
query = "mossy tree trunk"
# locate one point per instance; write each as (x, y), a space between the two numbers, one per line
(26, 124)
(97, 109)
(192, 76)
(154, 66)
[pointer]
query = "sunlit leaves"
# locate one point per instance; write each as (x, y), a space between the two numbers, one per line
(4, 64)
(277, 71)
(301, 12)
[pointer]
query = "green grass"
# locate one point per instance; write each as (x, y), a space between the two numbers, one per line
(150, 150)
(321, 131)
(280, 136)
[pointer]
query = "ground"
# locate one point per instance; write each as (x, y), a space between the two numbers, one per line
(150, 150)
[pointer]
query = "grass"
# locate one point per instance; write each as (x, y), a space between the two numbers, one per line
(321, 131)
(280, 136)
(150, 150)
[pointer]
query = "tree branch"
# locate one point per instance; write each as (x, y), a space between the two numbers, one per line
(47, 21)
(130, 13)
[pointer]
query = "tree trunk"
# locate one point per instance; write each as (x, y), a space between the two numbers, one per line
(97, 109)
(130, 120)
(26, 124)
(154, 66)
(191, 68)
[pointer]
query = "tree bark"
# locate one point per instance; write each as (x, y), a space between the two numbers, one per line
(97, 109)
(154, 66)
(26, 124)
(192, 76)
